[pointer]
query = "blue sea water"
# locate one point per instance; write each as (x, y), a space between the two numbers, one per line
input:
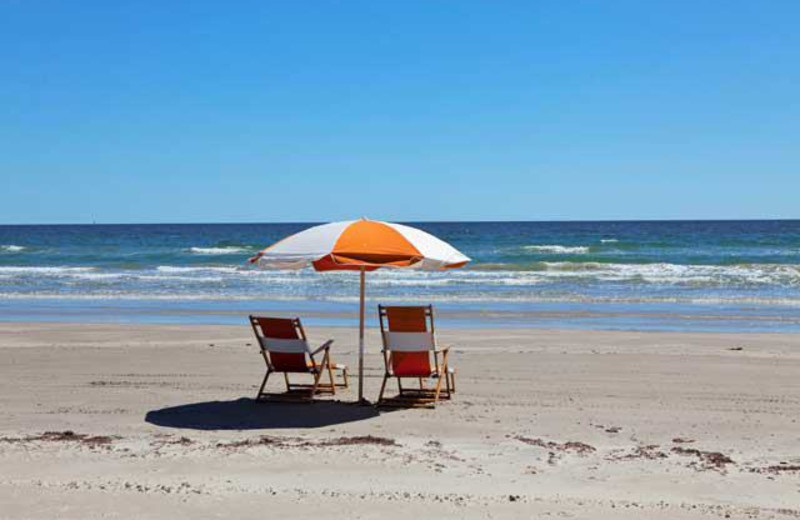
(706, 275)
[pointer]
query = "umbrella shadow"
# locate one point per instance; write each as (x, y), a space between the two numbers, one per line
(247, 414)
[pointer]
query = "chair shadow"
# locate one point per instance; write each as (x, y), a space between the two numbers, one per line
(248, 414)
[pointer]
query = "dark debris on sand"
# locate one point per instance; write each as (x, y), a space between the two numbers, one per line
(359, 440)
(580, 448)
(63, 436)
(783, 467)
(181, 441)
(647, 452)
(299, 442)
(608, 429)
(709, 459)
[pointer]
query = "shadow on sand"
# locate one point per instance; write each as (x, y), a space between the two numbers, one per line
(247, 414)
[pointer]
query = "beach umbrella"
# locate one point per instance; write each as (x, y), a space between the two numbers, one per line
(360, 245)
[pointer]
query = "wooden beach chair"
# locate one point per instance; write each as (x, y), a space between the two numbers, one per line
(285, 349)
(410, 351)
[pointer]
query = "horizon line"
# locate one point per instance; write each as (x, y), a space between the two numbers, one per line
(488, 221)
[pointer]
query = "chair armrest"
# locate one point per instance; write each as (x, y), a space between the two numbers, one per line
(322, 347)
(443, 350)
(442, 354)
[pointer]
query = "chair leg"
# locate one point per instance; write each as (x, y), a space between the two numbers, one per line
(286, 378)
(420, 384)
(448, 390)
(438, 389)
(346, 379)
(453, 382)
(399, 386)
(317, 377)
(263, 384)
(383, 388)
(333, 381)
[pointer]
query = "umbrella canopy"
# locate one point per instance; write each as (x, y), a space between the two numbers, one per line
(360, 245)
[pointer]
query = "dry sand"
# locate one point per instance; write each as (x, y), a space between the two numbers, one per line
(119, 421)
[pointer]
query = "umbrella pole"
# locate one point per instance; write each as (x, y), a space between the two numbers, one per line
(361, 341)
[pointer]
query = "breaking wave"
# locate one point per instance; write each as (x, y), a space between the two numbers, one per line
(558, 249)
(225, 250)
(44, 270)
(538, 273)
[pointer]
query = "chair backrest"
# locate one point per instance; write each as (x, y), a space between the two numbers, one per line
(283, 341)
(408, 338)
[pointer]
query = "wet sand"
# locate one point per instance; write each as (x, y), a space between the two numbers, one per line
(157, 421)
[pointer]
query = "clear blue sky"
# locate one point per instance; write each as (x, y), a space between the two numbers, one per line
(405, 110)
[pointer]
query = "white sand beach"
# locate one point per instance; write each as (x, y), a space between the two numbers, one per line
(157, 421)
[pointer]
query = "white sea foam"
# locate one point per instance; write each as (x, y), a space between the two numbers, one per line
(410, 282)
(557, 249)
(469, 298)
(541, 282)
(608, 240)
(44, 270)
(778, 275)
(226, 250)
(220, 273)
(159, 278)
(537, 298)
(138, 276)
(542, 272)
(659, 273)
(11, 248)
(594, 272)
(136, 296)
(198, 269)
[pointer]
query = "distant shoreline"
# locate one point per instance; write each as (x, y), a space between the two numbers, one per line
(545, 316)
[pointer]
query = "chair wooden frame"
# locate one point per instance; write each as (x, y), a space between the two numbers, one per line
(439, 367)
(296, 391)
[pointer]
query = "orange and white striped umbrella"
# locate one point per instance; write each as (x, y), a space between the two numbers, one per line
(360, 245)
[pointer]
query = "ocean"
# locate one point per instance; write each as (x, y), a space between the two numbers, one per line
(676, 275)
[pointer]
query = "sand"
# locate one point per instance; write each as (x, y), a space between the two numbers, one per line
(124, 421)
